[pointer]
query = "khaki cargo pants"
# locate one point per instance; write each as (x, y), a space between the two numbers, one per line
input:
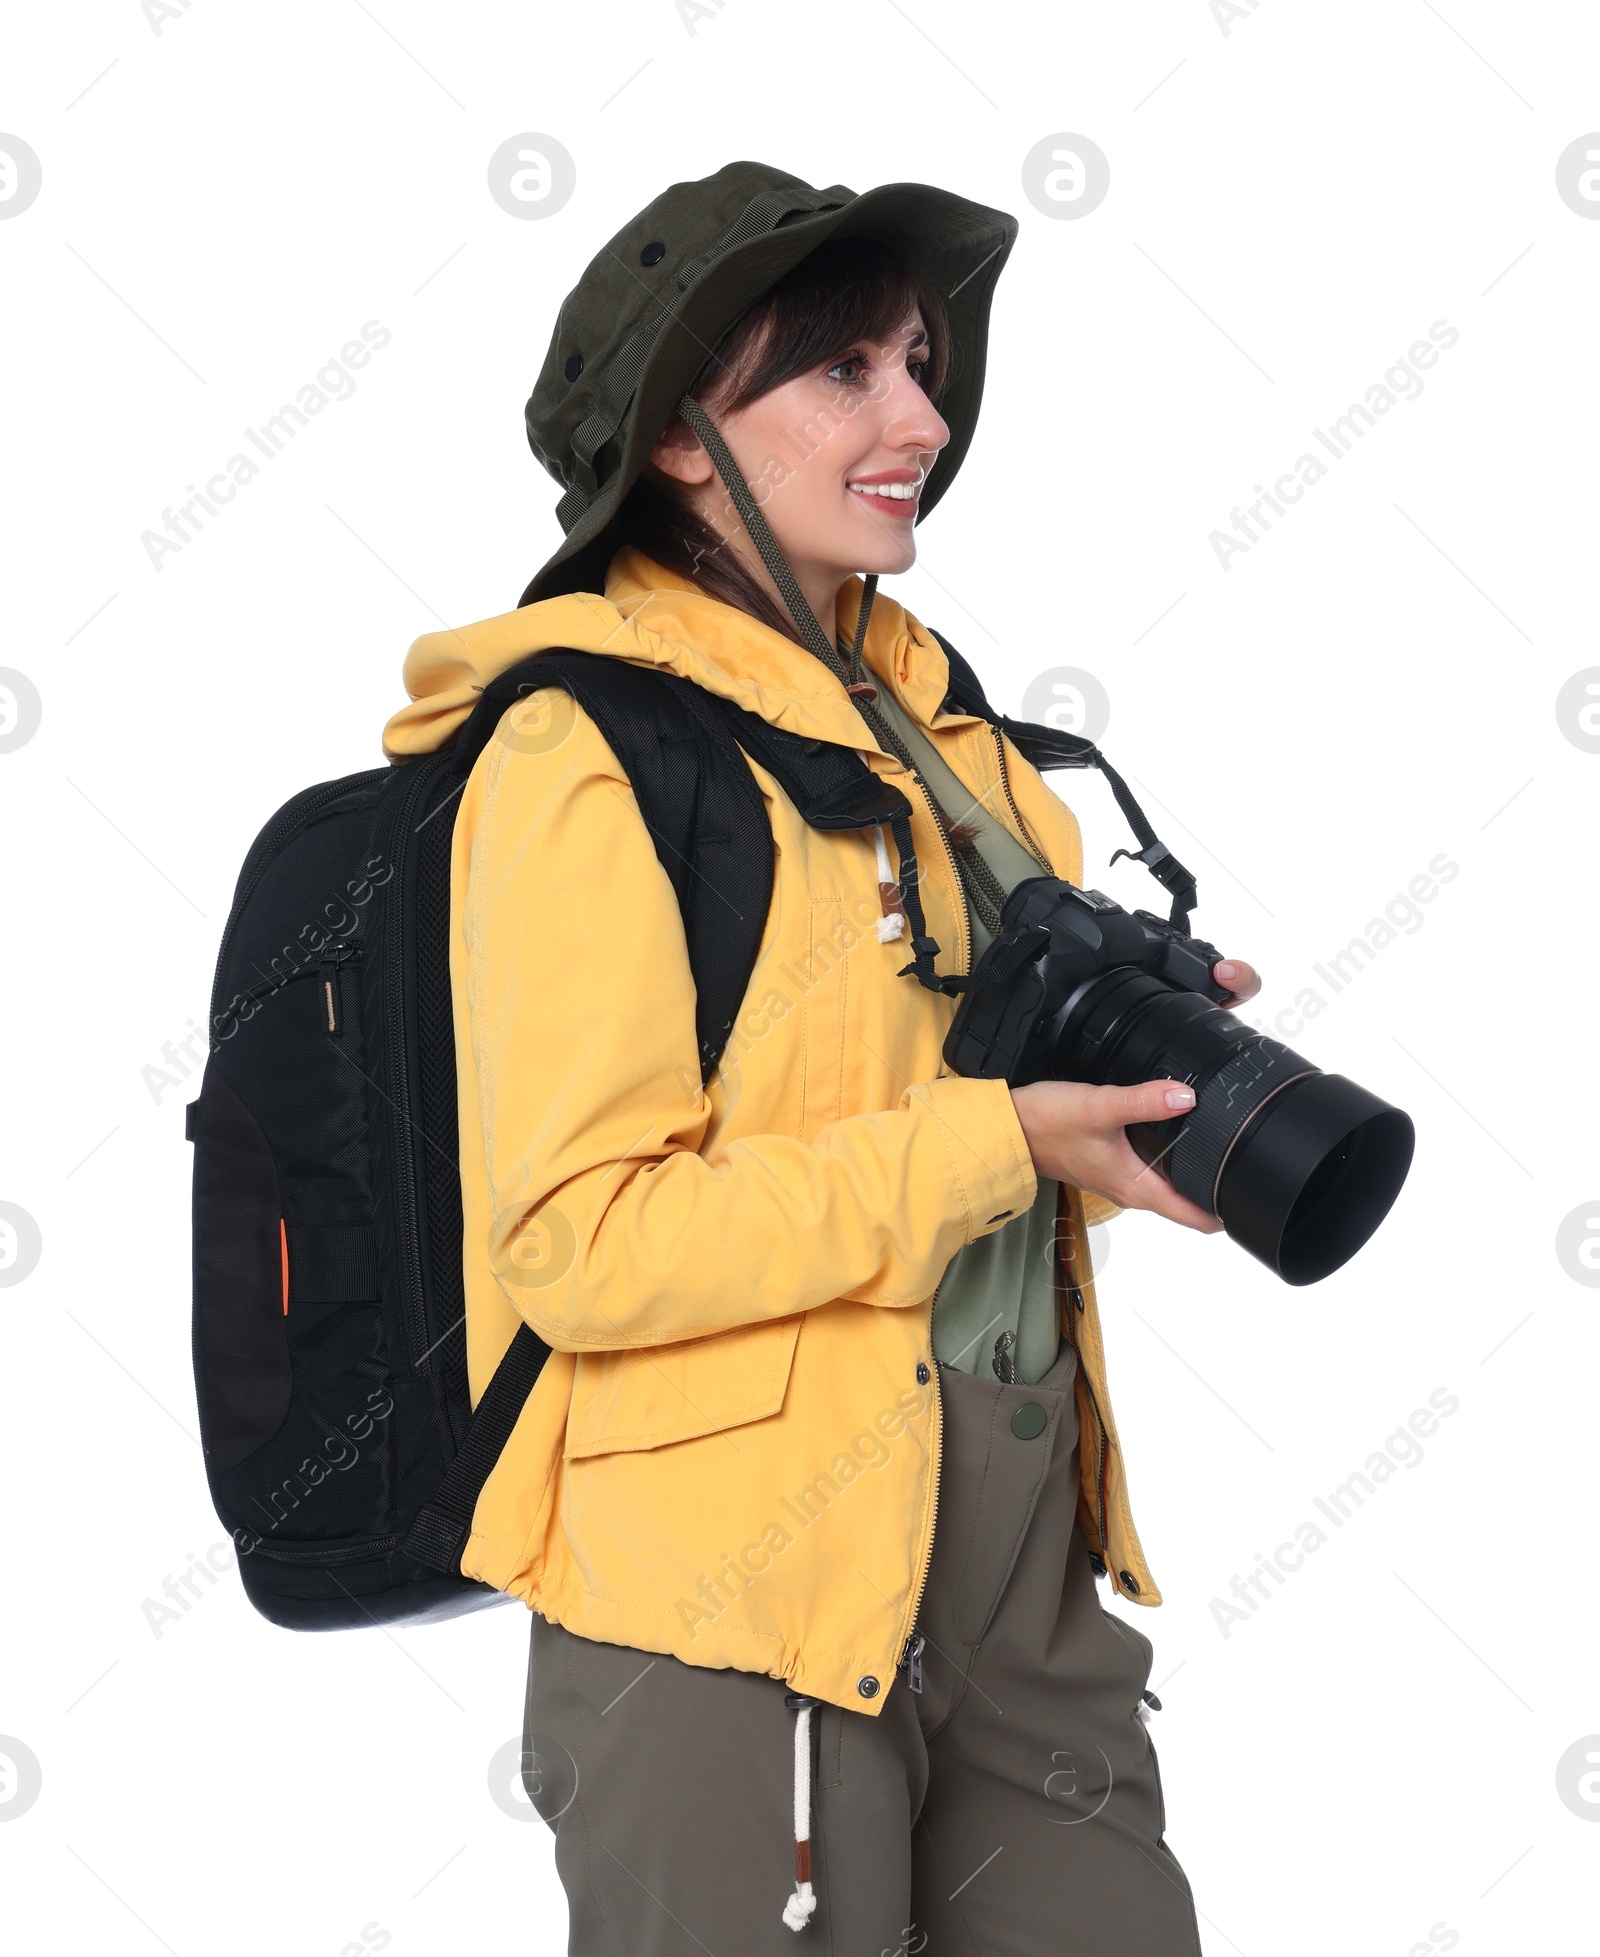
(1012, 1808)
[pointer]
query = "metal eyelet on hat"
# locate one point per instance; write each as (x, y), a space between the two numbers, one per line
(653, 253)
(574, 366)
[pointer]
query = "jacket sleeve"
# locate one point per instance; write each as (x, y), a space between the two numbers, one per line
(608, 1225)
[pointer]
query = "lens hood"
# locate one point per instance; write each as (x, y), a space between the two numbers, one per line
(1311, 1175)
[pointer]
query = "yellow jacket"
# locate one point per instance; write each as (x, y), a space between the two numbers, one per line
(732, 1453)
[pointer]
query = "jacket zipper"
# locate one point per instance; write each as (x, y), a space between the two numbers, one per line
(955, 871)
(1105, 1460)
(911, 1650)
(1103, 1453)
(911, 1647)
(1005, 782)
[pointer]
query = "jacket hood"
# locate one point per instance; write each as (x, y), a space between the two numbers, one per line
(653, 617)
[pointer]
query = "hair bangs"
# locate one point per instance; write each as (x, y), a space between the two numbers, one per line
(847, 291)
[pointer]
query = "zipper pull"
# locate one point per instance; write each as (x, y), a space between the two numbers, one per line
(1005, 1366)
(333, 956)
(911, 1661)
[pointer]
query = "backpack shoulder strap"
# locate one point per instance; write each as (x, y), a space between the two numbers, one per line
(709, 824)
(832, 787)
(699, 801)
(1052, 747)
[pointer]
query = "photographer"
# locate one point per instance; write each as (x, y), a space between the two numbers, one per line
(811, 1499)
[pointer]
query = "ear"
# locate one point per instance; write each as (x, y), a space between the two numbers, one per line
(680, 454)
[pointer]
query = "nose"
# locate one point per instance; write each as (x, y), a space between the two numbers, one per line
(910, 420)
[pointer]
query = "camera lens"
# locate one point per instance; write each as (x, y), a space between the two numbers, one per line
(1301, 1166)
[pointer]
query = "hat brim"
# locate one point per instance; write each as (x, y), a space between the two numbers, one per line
(960, 247)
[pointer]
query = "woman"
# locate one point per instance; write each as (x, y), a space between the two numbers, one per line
(840, 1291)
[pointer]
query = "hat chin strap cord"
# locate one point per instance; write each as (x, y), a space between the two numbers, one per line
(805, 619)
(817, 641)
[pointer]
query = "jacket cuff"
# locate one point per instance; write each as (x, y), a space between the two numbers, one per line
(988, 1150)
(1098, 1208)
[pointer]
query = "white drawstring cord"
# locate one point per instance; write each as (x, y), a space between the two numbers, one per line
(797, 1911)
(892, 925)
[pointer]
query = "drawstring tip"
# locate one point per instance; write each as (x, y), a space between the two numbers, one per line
(892, 924)
(798, 1910)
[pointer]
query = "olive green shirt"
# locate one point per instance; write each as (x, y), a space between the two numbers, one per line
(1004, 1282)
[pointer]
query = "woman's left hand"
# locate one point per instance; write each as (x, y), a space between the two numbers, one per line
(1243, 980)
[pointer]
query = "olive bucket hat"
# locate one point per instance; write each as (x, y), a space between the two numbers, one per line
(653, 303)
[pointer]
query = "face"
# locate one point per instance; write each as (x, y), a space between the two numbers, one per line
(835, 458)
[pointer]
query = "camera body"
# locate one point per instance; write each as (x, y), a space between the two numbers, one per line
(1005, 1032)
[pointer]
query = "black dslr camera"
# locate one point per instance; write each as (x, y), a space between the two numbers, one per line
(1301, 1166)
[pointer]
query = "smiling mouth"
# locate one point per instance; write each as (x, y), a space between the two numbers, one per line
(896, 497)
(896, 492)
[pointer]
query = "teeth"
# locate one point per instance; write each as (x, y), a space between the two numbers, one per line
(898, 492)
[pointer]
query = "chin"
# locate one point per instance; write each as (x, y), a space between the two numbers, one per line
(883, 556)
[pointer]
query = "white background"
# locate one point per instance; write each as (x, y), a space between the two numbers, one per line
(1368, 1762)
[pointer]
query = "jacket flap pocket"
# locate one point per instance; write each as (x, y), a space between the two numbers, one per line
(646, 1396)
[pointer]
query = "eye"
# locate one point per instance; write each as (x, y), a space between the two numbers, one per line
(855, 360)
(919, 365)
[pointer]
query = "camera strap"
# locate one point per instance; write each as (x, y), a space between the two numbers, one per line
(1051, 747)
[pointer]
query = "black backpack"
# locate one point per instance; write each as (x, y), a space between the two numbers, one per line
(342, 1449)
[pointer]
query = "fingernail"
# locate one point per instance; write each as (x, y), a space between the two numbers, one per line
(1227, 969)
(1180, 1097)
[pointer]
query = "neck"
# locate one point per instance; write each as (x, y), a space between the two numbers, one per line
(819, 586)
(820, 590)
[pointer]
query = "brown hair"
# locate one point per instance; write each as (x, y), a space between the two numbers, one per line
(847, 290)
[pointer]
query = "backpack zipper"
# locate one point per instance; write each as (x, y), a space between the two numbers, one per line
(334, 958)
(290, 818)
(414, 1305)
(263, 988)
(350, 1552)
